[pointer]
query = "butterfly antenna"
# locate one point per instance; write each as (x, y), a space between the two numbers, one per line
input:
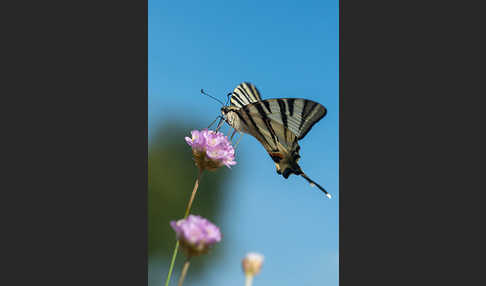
(202, 91)
(315, 184)
(228, 96)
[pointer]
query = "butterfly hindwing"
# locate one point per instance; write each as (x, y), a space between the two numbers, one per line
(295, 114)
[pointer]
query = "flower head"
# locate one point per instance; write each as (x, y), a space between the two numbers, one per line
(196, 234)
(252, 263)
(211, 149)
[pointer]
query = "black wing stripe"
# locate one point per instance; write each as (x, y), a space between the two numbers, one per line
(255, 92)
(245, 90)
(274, 135)
(283, 115)
(281, 105)
(245, 109)
(248, 87)
(314, 105)
(291, 103)
(267, 105)
(302, 117)
(265, 119)
(236, 98)
(260, 110)
(313, 123)
(242, 119)
(243, 94)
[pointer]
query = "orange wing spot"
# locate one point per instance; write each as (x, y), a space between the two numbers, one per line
(276, 156)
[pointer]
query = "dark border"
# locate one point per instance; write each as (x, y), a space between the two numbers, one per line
(409, 206)
(76, 200)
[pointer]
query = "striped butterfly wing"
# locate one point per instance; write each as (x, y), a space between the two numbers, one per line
(295, 114)
(277, 124)
(245, 93)
(253, 119)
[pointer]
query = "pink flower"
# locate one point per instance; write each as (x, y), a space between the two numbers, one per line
(211, 149)
(196, 234)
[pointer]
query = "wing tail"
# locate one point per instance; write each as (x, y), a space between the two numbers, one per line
(315, 184)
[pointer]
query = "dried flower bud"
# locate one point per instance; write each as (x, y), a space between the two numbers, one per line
(211, 149)
(252, 263)
(196, 234)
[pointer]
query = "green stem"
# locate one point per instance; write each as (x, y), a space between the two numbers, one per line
(184, 272)
(172, 263)
(188, 209)
(249, 280)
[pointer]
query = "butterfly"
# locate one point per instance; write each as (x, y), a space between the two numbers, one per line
(278, 124)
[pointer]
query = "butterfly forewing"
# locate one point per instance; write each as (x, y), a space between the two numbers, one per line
(245, 93)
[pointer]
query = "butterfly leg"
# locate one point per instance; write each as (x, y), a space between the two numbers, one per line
(239, 139)
(220, 123)
(234, 132)
(214, 121)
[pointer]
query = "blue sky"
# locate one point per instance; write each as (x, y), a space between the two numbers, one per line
(287, 49)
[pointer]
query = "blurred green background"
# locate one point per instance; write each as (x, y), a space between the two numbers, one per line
(171, 177)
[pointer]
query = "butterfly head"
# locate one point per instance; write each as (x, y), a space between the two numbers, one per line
(225, 110)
